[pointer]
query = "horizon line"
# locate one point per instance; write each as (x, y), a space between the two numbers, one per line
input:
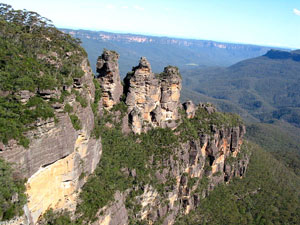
(179, 37)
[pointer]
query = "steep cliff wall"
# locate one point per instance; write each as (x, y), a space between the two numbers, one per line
(182, 178)
(59, 157)
(159, 158)
(176, 156)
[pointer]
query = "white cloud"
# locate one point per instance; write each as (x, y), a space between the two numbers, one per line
(110, 6)
(125, 7)
(296, 12)
(138, 8)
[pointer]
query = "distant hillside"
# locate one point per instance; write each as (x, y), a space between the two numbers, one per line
(161, 51)
(264, 89)
(267, 87)
(268, 194)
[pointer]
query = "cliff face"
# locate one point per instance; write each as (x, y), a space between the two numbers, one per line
(159, 158)
(208, 152)
(186, 176)
(58, 157)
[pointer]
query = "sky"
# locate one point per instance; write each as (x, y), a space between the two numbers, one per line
(262, 22)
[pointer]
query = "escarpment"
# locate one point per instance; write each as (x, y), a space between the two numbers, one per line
(159, 158)
(183, 170)
(59, 157)
(176, 155)
(47, 91)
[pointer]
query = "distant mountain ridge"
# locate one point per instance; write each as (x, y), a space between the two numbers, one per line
(276, 54)
(268, 87)
(161, 51)
(76, 148)
(127, 37)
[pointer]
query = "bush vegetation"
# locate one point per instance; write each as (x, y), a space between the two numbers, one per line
(121, 153)
(52, 217)
(269, 194)
(75, 121)
(12, 196)
(34, 56)
(203, 122)
(282, 143)
(133, 153)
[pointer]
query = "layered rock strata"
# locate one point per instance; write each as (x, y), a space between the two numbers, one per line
(142, 95)
(59, 157)
(109, 78)
(170, 96)
(152, 100)
(196, 167)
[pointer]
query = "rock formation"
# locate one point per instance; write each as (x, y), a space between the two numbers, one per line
(109, 78)
(190, 109)
(152, 100)
(170, 95)
(142, 95)
(58, 158)
(204, 163)
(196, 165)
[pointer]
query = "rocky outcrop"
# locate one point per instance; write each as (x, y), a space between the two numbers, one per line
(205, 163)
(190, 109)
(194, 169)
(142, 89)
(109, 78)
(59, 157)
(170, 95)
(279, 54)
(152, 100)
(115, 214)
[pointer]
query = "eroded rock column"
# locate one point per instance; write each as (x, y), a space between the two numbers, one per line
(142, 95)
(170, 95)
(109, 78)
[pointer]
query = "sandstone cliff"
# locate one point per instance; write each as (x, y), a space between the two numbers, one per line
(59, 157)
(182, 178)
(109, 78)
(152, 100)
(178, 154)
(159, 158)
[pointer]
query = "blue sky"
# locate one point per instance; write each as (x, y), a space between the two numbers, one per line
(264, 22)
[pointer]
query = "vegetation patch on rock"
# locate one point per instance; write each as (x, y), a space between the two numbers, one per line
(37, 63)
(12, 192)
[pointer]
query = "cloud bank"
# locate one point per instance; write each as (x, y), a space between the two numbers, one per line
(296, 12)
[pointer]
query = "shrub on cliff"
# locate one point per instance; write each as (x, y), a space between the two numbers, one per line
(52, 217)
(12, 197)
(34, 56)
(268, 194)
